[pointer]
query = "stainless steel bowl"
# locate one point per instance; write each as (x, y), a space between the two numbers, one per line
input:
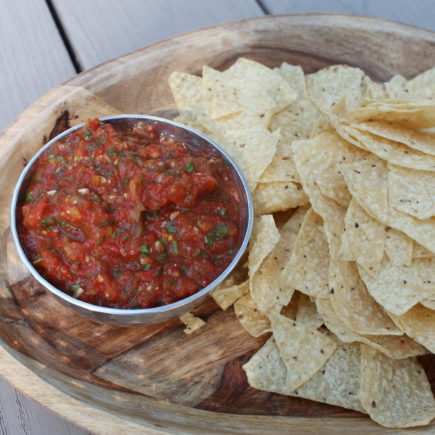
(131, 317)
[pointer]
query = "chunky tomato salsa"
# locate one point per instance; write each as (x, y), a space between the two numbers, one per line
(129, 217)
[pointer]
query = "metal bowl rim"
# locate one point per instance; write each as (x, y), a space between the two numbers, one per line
(132, 312)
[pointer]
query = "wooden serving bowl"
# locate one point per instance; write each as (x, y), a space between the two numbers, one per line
(155, 379)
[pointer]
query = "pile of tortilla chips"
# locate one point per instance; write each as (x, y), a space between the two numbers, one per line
(341, 263)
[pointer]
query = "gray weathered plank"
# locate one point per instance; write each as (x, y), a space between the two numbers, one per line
(33, 57)
(22, 416)
(416, 12)
(100, 30)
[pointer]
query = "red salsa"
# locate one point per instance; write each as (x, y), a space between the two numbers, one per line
(129, 217)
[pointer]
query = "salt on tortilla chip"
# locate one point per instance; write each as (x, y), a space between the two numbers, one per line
(363, 238)
(393, 152)
(337, 383)
(399, 288)
(419, 323)
(395, 393)
(411, 191)
(354, 305)
(308, 267)
(393, 346)
(186, 89)
(307, 313)
(227, 296)
(250, 316)
(266, 289)
(304, 351)
(399, 247)
(278, 196)
(192, 322)
(415, 139)
(368, 183)
(328, 85)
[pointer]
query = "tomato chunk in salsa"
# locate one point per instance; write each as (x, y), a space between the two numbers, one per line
(129, 217)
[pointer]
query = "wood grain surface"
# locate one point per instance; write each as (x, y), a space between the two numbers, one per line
(33, 58)
(111, 28)
(156, 377)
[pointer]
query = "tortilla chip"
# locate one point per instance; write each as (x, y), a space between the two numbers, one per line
(306, 157)
(421, 252)
(282, 167)
(399, 288)
(190, 118)
(264, 237)
(294, 76)
(411, 191)
(393, 152)
(336, 384)
(399, 247)
(423, 85)
(418, 140)
(250, 316)
(395, 393)
(278, 196)
(429, 303)
(307, 313)
(419, 323)
(226, 296)
(192, 322)
(395, 87)
(374, 90)
(308, 267)
(363, 239)
(367, 181)
(186, 89)
(304, 351)
(328, 85)
(266, 289)
(252, 149)
(412, 114)
(393, 346)
(354, 305)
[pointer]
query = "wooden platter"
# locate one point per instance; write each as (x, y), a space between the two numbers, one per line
(156, 379)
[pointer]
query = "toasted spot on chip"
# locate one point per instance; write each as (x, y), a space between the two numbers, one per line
(192, 322)
(395, 393)
(250, 316)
